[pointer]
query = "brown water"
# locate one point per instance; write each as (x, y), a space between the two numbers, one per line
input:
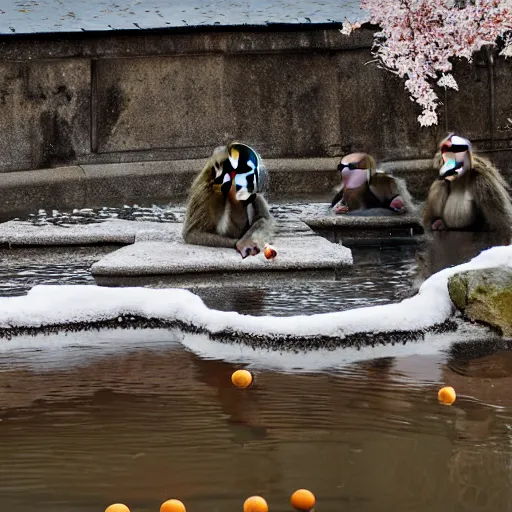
(89, 422)
(92, 418)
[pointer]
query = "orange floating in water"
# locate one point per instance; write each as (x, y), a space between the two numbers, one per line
(303, 500)
(269, 252)
(117, 507)
(172, 506)
(241, 378)
(255, 504)
(447, 395)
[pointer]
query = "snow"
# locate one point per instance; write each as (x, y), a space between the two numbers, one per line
(59, 305)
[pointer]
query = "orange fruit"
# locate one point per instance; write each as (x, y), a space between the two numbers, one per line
(172, 506)
(255, 504)
(269, 252)
(446, 395)
(302, 499)
(241, 378)
(117, 507)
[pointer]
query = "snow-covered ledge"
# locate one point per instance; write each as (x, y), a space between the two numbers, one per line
(79, 307)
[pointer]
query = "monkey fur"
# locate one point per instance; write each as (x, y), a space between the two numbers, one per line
(477, 201)
(218, 221)
(378, 191)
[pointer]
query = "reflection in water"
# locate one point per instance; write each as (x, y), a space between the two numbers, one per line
(449, 248)
(136, 417)
(142, 425)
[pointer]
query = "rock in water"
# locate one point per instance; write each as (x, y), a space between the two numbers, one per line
(484, 295)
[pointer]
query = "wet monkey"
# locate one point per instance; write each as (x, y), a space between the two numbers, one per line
(470, 193)
(226, 207)
(365, 188)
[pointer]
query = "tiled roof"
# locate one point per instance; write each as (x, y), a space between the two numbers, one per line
(40, 16)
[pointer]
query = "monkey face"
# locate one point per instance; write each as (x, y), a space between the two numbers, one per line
(243, 166)
(456, 153)
(355, 170)
(245, 185)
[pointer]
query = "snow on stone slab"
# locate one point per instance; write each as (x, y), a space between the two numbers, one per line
(109, 231)
(157, 258)
(60, 305)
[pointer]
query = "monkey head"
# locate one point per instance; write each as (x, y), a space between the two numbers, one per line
(457, 157)
(356, 169)
(244, 168)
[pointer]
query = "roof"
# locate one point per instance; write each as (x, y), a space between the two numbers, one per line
(47, 16)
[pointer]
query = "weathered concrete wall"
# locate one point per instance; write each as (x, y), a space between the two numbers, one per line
(44, 113)
(292, 94)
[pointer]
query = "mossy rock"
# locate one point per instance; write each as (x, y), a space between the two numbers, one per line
(484, 295)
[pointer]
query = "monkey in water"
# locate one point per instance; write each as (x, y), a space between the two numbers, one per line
(226, 207)
(363, 188)
(470, 193)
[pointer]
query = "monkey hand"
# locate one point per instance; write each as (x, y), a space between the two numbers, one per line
(341, 209)
(398, 204)
(247, 248)
(438, 225)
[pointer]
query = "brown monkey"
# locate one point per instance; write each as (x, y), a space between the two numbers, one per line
(470, 193)
(365, 188)
(226, 207)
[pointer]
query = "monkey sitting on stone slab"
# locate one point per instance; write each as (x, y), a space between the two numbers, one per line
(226, 207)
(470, 193)
(366, 191)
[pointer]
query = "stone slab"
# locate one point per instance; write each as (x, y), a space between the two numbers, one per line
(363, 222)
(109, 231)
(175, 258)
(27, 191)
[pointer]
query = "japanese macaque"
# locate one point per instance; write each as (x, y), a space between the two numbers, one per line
(470, 193)
(365, 188)
(226, 207)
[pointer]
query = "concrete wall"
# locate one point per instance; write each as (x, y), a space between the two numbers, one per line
(122, 97)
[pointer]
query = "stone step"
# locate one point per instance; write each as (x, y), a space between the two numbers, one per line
(299, 256)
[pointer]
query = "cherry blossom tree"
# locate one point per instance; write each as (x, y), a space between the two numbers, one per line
(419, 39)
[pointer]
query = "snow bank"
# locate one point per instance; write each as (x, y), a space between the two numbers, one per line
(60, 305)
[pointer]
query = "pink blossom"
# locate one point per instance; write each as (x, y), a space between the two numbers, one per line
(418, 40)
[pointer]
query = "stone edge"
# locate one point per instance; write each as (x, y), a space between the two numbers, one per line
(143, 183)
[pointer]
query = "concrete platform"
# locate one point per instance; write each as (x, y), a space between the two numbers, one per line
(364, 222)
(368, 230)
(16, 233)
(298, 256)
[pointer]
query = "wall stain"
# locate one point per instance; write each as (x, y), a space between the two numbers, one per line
(57, 146)
(111, 107)
(62, 91)
(30, 84)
